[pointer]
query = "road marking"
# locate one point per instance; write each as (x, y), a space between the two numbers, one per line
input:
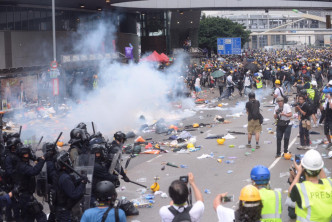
(149, 161)
(277, 160)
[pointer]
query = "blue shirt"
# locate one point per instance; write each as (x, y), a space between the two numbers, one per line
(327, 89)
(96, 214)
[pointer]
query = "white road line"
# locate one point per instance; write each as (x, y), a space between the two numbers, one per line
(149, 161)
(277, 160)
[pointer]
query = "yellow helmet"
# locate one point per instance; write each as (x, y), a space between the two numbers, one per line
(155, 187)
(220, 141)
(190, 145)
(195, 125)
(287, 156)
(278, 69)
(318, 68)
(250, 193)
(219, 105)
(277, 82)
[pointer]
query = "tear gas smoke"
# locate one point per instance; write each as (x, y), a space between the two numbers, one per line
(125, 91)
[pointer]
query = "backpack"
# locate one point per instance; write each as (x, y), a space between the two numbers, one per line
(254, 109)
(282, 95)
(180, 217)
(311, 108)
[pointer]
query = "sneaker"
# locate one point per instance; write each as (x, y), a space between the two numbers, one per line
(278, 155)
(329, 146)
(311, 147)
(300, 147)
(258, 146)
(248, 145)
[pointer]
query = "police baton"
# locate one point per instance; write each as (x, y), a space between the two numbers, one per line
(93, 128)
(57, 139)
(19, 132)
(137, 184)
(77, 173)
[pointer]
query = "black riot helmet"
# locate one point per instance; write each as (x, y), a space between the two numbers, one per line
(50, 147)
(120, 136)
(13, 143)
(63, 160)
(105, 191)
(97, 139)
(98, 148)
(81, 126)
(77, 135)
(303, 92)
(25, 149)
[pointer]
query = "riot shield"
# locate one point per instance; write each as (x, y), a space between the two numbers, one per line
(115, 167)
(84, 165)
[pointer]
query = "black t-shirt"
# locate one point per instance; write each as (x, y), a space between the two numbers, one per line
(295, 195)
(305, 108)
(253, 109)
(328, 112)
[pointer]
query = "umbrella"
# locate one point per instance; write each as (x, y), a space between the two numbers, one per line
(218, 73)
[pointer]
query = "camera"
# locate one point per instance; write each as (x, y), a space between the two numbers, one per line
(295, 104)
(298, 158)
(184, 179)
(278, 111)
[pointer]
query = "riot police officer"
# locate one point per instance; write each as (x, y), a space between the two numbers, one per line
(79, 144)
(101, 167)
(30, 208)
(68, 192)
(114, 151)
(11, 159)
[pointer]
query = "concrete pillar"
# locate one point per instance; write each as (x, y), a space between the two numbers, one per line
(250, 42)
(269, 40)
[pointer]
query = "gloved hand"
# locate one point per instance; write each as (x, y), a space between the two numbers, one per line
(40, 159)
(48, 155)
(125, 178)
(84, 180)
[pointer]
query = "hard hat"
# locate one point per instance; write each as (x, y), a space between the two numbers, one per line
(260, 174)
(277, 81)
(209, 70)
(282, 67)
(287, 156)
(195, 125)
(256, 74)
(220, 105)
(330, 154)
(278, 69)
(312, 160)
(313, 82)
(220, 141)
(250, 193)
(330, 82)
(318, 68)
(190, 145)
(155, 187)
(267, 68)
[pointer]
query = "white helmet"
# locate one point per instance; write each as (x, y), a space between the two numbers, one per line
(313, 82)
(312, 160)
(330, 82)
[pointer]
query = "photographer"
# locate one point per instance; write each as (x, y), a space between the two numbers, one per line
(313, 202)
(180, 193)
(303, 110)
(282, 113)
(250, 206)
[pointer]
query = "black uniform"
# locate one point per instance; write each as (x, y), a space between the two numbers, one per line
(30, 208)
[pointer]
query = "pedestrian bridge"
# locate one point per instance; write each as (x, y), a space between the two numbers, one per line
(227, 4)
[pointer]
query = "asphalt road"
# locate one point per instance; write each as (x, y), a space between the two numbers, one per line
(209, 173)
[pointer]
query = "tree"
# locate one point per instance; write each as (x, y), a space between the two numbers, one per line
(212, 28)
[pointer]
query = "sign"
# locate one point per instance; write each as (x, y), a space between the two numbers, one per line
(54, 73)
(55, 87)
(229, 46)
(129, 52)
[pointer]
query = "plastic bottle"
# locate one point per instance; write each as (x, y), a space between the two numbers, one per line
(183, 166)
(207, 191)
(242, 146)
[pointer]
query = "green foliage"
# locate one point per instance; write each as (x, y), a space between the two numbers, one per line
(212, 28)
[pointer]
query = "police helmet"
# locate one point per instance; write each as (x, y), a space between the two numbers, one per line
(105, 191)
(251, 95)
(120, 136)
(77, 135)
(81, 126)
(13, 142)
(49, 147)
(260, 175)
(303, 92)
(25, 149)
(98, 148)
(63, 159)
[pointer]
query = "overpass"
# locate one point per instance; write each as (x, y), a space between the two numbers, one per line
(227, 4)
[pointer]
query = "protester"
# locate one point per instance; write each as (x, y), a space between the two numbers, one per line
(249, 210)
(328, 119)
(312, 196)
(254, 125)
(278, 91)
(179, 193)
(198, 86)
(303, 109)
(283, 114)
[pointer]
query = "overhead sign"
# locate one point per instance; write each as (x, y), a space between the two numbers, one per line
(229, 46)
(54, 65)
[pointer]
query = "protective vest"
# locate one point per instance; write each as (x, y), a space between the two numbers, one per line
(95, 84)
(62, 200)
(311, 93)
(259, 84)
(323, 98)
(316, 201)
(271, 200)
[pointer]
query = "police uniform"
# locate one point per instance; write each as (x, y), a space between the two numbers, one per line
(313, 201)
(112, 150)
(30, 208)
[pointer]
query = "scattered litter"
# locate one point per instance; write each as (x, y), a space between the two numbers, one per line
(267, 142)
(207, 191)
(172, 165)
(163, 168)
(230, 171)
(183, 151)
(229, 137)
(247, 154)
(214, 136)
(253, 149)
(163, 195)
(245, 126)
(231, 146)
(141, 180)
(141, 190)
(221, 157)
(219, 160)
(232, 157)
(203, 156)
(241, 146)
(183, 166)
(265, 119)
(284, 174)
(229, 161)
